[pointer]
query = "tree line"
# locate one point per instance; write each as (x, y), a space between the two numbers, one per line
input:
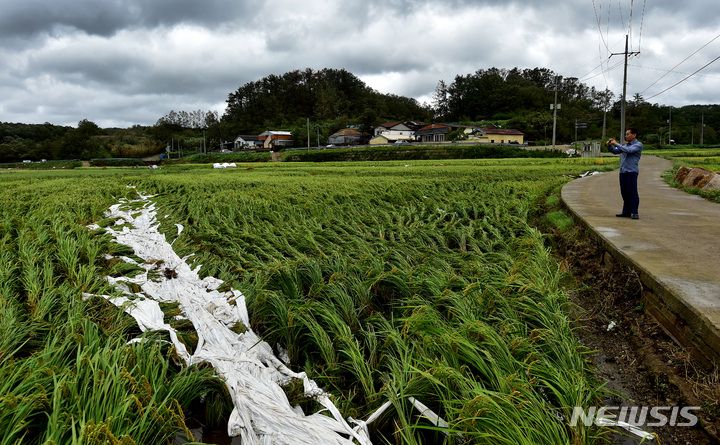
(36, 142)
(315, 104)
(330, 98)
(522, 99)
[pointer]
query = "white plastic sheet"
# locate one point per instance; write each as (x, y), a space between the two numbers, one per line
(262, 413)
(644, 435)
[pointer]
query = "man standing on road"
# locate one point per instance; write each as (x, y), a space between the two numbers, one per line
(629, 170)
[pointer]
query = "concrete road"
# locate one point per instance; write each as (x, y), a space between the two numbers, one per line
(675, 246)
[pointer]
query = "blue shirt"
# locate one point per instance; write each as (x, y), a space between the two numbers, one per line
(630, 156)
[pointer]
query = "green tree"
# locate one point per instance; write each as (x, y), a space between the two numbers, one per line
(457, 135)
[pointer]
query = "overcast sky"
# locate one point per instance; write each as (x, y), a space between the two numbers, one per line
(125, 62)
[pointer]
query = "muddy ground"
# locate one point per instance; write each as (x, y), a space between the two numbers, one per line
(635, 357)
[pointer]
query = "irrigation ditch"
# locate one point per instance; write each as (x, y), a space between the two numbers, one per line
(635, 358)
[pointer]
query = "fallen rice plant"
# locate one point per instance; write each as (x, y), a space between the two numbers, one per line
(388, 285)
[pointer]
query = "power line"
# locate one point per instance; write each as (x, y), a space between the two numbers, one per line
(683, 61)
(632, 2)
(584, 76)
(676, 72)
(597, 20)
(605, 71)
(642, 20)
(686, 78)
(604, 63)
(607, 48)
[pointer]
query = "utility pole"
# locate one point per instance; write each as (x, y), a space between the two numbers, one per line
(702, 128)
(624, 93)
(308, 132)
(555, 107)
(670, 127)
(606, 102)
(576, 127)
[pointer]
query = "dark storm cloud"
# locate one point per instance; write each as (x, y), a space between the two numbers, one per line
(105, 18)
(120, 62)
(87, 67)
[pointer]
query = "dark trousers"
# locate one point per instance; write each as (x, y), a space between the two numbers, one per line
(628, 190)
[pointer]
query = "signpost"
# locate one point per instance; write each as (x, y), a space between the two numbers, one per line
(579, 126)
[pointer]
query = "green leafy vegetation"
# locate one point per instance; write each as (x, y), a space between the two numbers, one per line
(383, 282)
(384, 153)
(43, 165)
(19, 142)
(691, 157)
(117, 162)
(68, 374)
(225, 157)
(386, 282)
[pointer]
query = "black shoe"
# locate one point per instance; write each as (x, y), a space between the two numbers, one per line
(623, 215)
(635, 216)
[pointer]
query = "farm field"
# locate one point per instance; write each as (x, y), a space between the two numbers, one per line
(383, 281)
(707, 158)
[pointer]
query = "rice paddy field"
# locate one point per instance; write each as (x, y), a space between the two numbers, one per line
(383, 282)
(707, 158)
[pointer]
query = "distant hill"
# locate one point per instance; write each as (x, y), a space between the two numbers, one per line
(334, 99)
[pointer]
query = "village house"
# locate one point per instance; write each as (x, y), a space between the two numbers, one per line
(389, 133)
(391, 139)
(497, 136)
(247, 142)
(272, 140)
(347, 136)
(439, 132)
(433, 133)
(406, 128)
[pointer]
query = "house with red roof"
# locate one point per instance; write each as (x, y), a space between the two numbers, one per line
(275, 139)
(439, 132)
(433, 133)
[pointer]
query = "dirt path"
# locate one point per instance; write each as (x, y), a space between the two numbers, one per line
(670, 246)
(635, 358)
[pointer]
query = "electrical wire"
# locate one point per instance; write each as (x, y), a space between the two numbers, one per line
(632, 2)
(683, 61)
(597, 19)
(686, 78)
(676, 72)
(598, 10)
(584, 76)
(605, 71)
(622, 18)
(604, 62)
(642, 20)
